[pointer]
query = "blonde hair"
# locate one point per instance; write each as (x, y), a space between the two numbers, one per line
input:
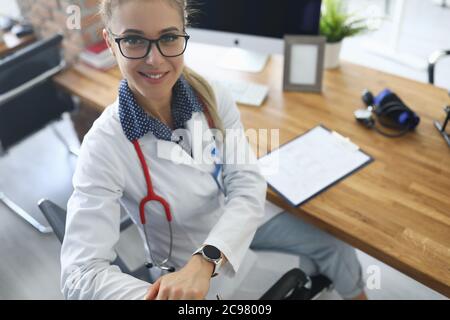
(196, 81)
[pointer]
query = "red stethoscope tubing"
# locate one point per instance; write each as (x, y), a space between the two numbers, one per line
(151, 195)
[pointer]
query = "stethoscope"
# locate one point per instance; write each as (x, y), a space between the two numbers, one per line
(153, 197)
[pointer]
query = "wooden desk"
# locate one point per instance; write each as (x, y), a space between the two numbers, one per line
(12, 43)
(397, 209)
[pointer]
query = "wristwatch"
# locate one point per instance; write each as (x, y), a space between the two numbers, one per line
(211, 254)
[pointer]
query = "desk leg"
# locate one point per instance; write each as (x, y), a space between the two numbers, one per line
(444, 134)
(442, 127)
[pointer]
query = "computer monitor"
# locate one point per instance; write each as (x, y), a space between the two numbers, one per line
(253, 28)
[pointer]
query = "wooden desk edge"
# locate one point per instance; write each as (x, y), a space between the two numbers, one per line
(6, 47)
(422, 277)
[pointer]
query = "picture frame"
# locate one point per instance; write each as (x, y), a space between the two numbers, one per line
(303, 63)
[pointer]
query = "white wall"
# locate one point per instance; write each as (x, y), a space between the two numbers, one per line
(425, 29)
(9, 8)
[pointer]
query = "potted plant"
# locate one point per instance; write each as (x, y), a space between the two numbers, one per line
(336, 24)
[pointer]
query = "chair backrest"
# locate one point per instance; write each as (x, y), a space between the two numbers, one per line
(28, 98)
(56, 217)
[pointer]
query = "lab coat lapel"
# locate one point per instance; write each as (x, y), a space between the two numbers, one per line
(173, 152)
(202, 141)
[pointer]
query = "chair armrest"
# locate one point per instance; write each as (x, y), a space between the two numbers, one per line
(56, 217)
(290, 281)
(125, 223)
(432, 60)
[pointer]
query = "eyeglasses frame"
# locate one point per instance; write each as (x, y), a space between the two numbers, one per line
(118, 38)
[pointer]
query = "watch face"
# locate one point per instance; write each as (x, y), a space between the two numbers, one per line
(211, 252)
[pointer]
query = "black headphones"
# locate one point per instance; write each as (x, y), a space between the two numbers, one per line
(390, 112)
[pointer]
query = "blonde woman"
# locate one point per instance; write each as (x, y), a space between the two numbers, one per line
(197, 216)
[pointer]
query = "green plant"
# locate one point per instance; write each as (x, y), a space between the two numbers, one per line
(336, 24)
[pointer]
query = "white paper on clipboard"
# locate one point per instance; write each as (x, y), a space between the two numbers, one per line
(310, 163)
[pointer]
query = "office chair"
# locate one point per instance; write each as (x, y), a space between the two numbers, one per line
(432, 61)
(29, 101)
(56, 217)
(434, 58)
(293, 285)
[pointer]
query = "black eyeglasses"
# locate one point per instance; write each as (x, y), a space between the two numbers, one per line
(138, 47)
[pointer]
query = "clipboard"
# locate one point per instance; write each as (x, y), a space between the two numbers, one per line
(311, 163)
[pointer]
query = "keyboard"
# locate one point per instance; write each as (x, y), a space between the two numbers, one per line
(248, 93)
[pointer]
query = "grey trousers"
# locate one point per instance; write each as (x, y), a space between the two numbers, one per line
(319, 252)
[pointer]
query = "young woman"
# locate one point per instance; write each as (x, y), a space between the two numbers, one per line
(141, 154)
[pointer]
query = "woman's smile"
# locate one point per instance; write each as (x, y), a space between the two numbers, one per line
(153, 77)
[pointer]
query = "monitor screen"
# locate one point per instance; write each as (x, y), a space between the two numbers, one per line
(267, 18)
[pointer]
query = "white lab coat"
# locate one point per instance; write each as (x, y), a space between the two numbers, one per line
(108, 171)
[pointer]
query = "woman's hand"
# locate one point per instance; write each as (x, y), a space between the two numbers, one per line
(190, 283)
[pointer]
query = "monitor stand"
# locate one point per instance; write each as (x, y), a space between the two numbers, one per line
(243, 60)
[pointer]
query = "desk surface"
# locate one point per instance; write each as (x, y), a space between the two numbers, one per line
(397, 209)
(12, 43)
